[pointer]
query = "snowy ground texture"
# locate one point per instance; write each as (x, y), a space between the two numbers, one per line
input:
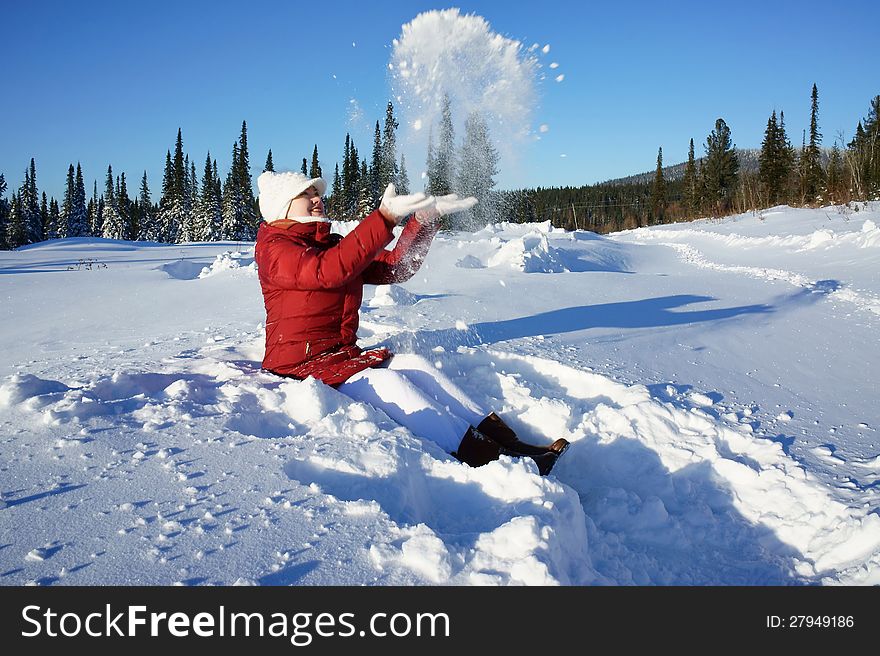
(717, 381)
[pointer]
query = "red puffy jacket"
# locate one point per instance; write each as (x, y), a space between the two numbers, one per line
(313, 283)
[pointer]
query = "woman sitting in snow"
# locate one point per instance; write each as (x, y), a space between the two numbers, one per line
(312, 282)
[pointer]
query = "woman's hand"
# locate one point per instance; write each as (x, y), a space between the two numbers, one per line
(451, 203)
(393, 208)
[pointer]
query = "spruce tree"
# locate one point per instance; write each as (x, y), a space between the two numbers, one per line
(815, 176)
(167, 217)
(775, 161)
(440, 175)
(16, 229)
(388, 172)
(233, 226)
(803, 170)
(478, 166)
(78, 221)
(315, 168)
(344, 204)
(148, 227)
(96, 218)
(835, 181)
(429, 161)
(304, 169)
(210, 218)
(246, 210)
(365, 192)
(4, 212)
(29, 203)
(113, 223)
(67, 212)
(335, 194)
(54, 218)
(402, 177)
(691, 184)
(863, 155)
(47, 231)
(123, 206)
(787, 160)
(355, 185)
(269, 166)
(658, 191)
(375, 172)
(720, 169)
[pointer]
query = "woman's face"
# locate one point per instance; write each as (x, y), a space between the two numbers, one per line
(308, 203)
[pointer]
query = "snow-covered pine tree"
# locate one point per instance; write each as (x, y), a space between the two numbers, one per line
(123, 206)
(210, 216)
(388, 171)
(187, 229)
(16, 229)
(375, 171)
(148, 226)
(234, 216)
(67, 217)
(45, 228)
(96, 216)
(402, 177)
(194, 197)
(4, 212)
(54, 216)
(441, 175)
(365, 194)
(343, 204)
(477, 168)
(246, 188)
(166, 219)
(355, 184)
(178, 199)
(30, 206)
(113, 224)
(78, 221)
(429, 160)
(269, 165)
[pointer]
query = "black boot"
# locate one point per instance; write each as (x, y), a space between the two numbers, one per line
(545, 461)
(494, 427)
(476, 449)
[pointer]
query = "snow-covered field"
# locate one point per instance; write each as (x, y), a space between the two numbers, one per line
(717, 381)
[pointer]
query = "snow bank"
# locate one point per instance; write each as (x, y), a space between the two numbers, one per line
(230, 261)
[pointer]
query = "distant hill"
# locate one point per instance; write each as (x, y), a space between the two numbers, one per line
(748, 161)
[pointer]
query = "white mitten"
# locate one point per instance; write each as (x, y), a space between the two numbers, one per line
(394, 207)
(451, 203)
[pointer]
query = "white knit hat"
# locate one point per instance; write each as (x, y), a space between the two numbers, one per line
(278, 189)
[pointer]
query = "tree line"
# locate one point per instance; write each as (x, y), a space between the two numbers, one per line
(724, 180)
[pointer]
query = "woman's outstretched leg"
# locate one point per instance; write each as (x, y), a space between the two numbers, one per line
(437, 385)
(397, 396)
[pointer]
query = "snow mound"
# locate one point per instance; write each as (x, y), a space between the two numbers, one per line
(230, 261)
(390, 295)
(21, 387)
(531, 253)
(470, 262)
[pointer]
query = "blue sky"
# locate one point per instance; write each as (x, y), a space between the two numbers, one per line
(110, 82)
